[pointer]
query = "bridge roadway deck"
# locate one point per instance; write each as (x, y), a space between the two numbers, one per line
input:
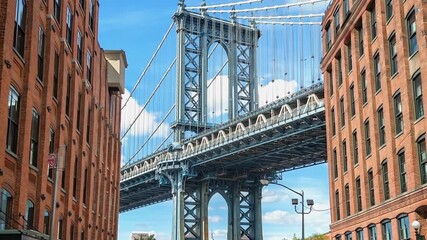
(284, 135)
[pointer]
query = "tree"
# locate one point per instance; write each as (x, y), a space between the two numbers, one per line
(151, 237)
(315, 236)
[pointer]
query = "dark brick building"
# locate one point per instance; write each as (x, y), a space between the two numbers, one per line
(375, 64)
(60, 93)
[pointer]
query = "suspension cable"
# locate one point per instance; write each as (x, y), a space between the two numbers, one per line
(224, 5)
(149, 64)
(289, 23)
(161, 144)
(267, 8)
(151, 96)
(217, 74)
(151, 135)
(283, 17)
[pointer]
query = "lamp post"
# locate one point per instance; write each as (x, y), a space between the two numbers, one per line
(416, 225)
(310, 202)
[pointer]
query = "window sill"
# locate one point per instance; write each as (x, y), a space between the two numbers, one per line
(364, 105)
(12, 154)
(20, 57)
(382, 146)
(34, 168)
(378, 91)
(353, 117)
(413, 55)
(55, 100)
(419, 120)
(356, 165)
(399, 134)
(361, 56)
(389, 19)
(368, 156)
(374, 39)
(349, 72)
(394, 75)
(40, 82)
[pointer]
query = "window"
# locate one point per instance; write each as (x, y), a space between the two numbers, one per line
(348, 236)
(346, 6)
(367, 139)
(352, 101)
(56, 75)
(19, 32)
(398, 116)
(355, 149)
(328, 37)
(344, 156)
(29, 215)
(342, 112)
(335, 164)
(349, 57)
(359, 234)
(421, 146)
(339, 70)
(402, 171)
(360, 33)
(371, 188)
(88, 123)
(358, 195)
(337, 205)
(79, 47)
(82, 4)
(347, 200)
(333, 121)
(60, 228)
(57, 10)
(46, 222)
(82, 235)
(5, 210)
(331, 83)
(89, 67)
(377, 72)
(412, 33)
(373, 23)
(13, 120)
(418, 97)
(75, 178)
(372, 232)
(34, 144)
(68, 95)
(69, 31)
(338, 237)
(84, 186)
(91, 14)
(51, 149)
(40, 55)
(381, 127)
(72, 231)
(364, 87)
(388, 9)
(403, 225)
(386, 187)
(337, 21)
(386, 227)
(79, 103)
(393, 54)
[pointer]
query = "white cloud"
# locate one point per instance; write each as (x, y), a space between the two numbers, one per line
(275, 89)
(146, 123)
(215, 219)
(270, 196)
(219, 233)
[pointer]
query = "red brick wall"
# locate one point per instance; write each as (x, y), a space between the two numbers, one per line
(399, 202)
(98, 218)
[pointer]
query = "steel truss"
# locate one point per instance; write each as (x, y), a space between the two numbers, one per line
(196, 33)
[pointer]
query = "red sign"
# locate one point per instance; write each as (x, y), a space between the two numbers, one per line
(52, 160)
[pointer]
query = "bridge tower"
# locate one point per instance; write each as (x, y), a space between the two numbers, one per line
(196, 33)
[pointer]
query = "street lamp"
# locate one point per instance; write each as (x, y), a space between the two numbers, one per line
(416, 226)
(310, 202)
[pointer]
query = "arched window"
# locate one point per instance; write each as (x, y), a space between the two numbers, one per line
(372, 232)
(29, 215)
(5, 209)
(403, 226)
(46, 222)
(386, 229)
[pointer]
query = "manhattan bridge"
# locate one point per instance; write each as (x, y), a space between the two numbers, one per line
(233, 94)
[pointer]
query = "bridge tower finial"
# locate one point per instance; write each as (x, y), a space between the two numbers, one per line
(181, 5)
(203, 8)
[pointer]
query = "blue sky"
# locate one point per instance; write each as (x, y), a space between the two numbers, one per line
(137, 27)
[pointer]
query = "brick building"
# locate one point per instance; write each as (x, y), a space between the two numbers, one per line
(60, 93)
(374, 63)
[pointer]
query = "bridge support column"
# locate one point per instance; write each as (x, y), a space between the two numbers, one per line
(196, 212)
(245, 216)
(177, 181)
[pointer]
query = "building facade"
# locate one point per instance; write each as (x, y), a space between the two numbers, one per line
(374, 64)
(60, 97)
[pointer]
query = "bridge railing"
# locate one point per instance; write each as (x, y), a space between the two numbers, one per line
(226, 136)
